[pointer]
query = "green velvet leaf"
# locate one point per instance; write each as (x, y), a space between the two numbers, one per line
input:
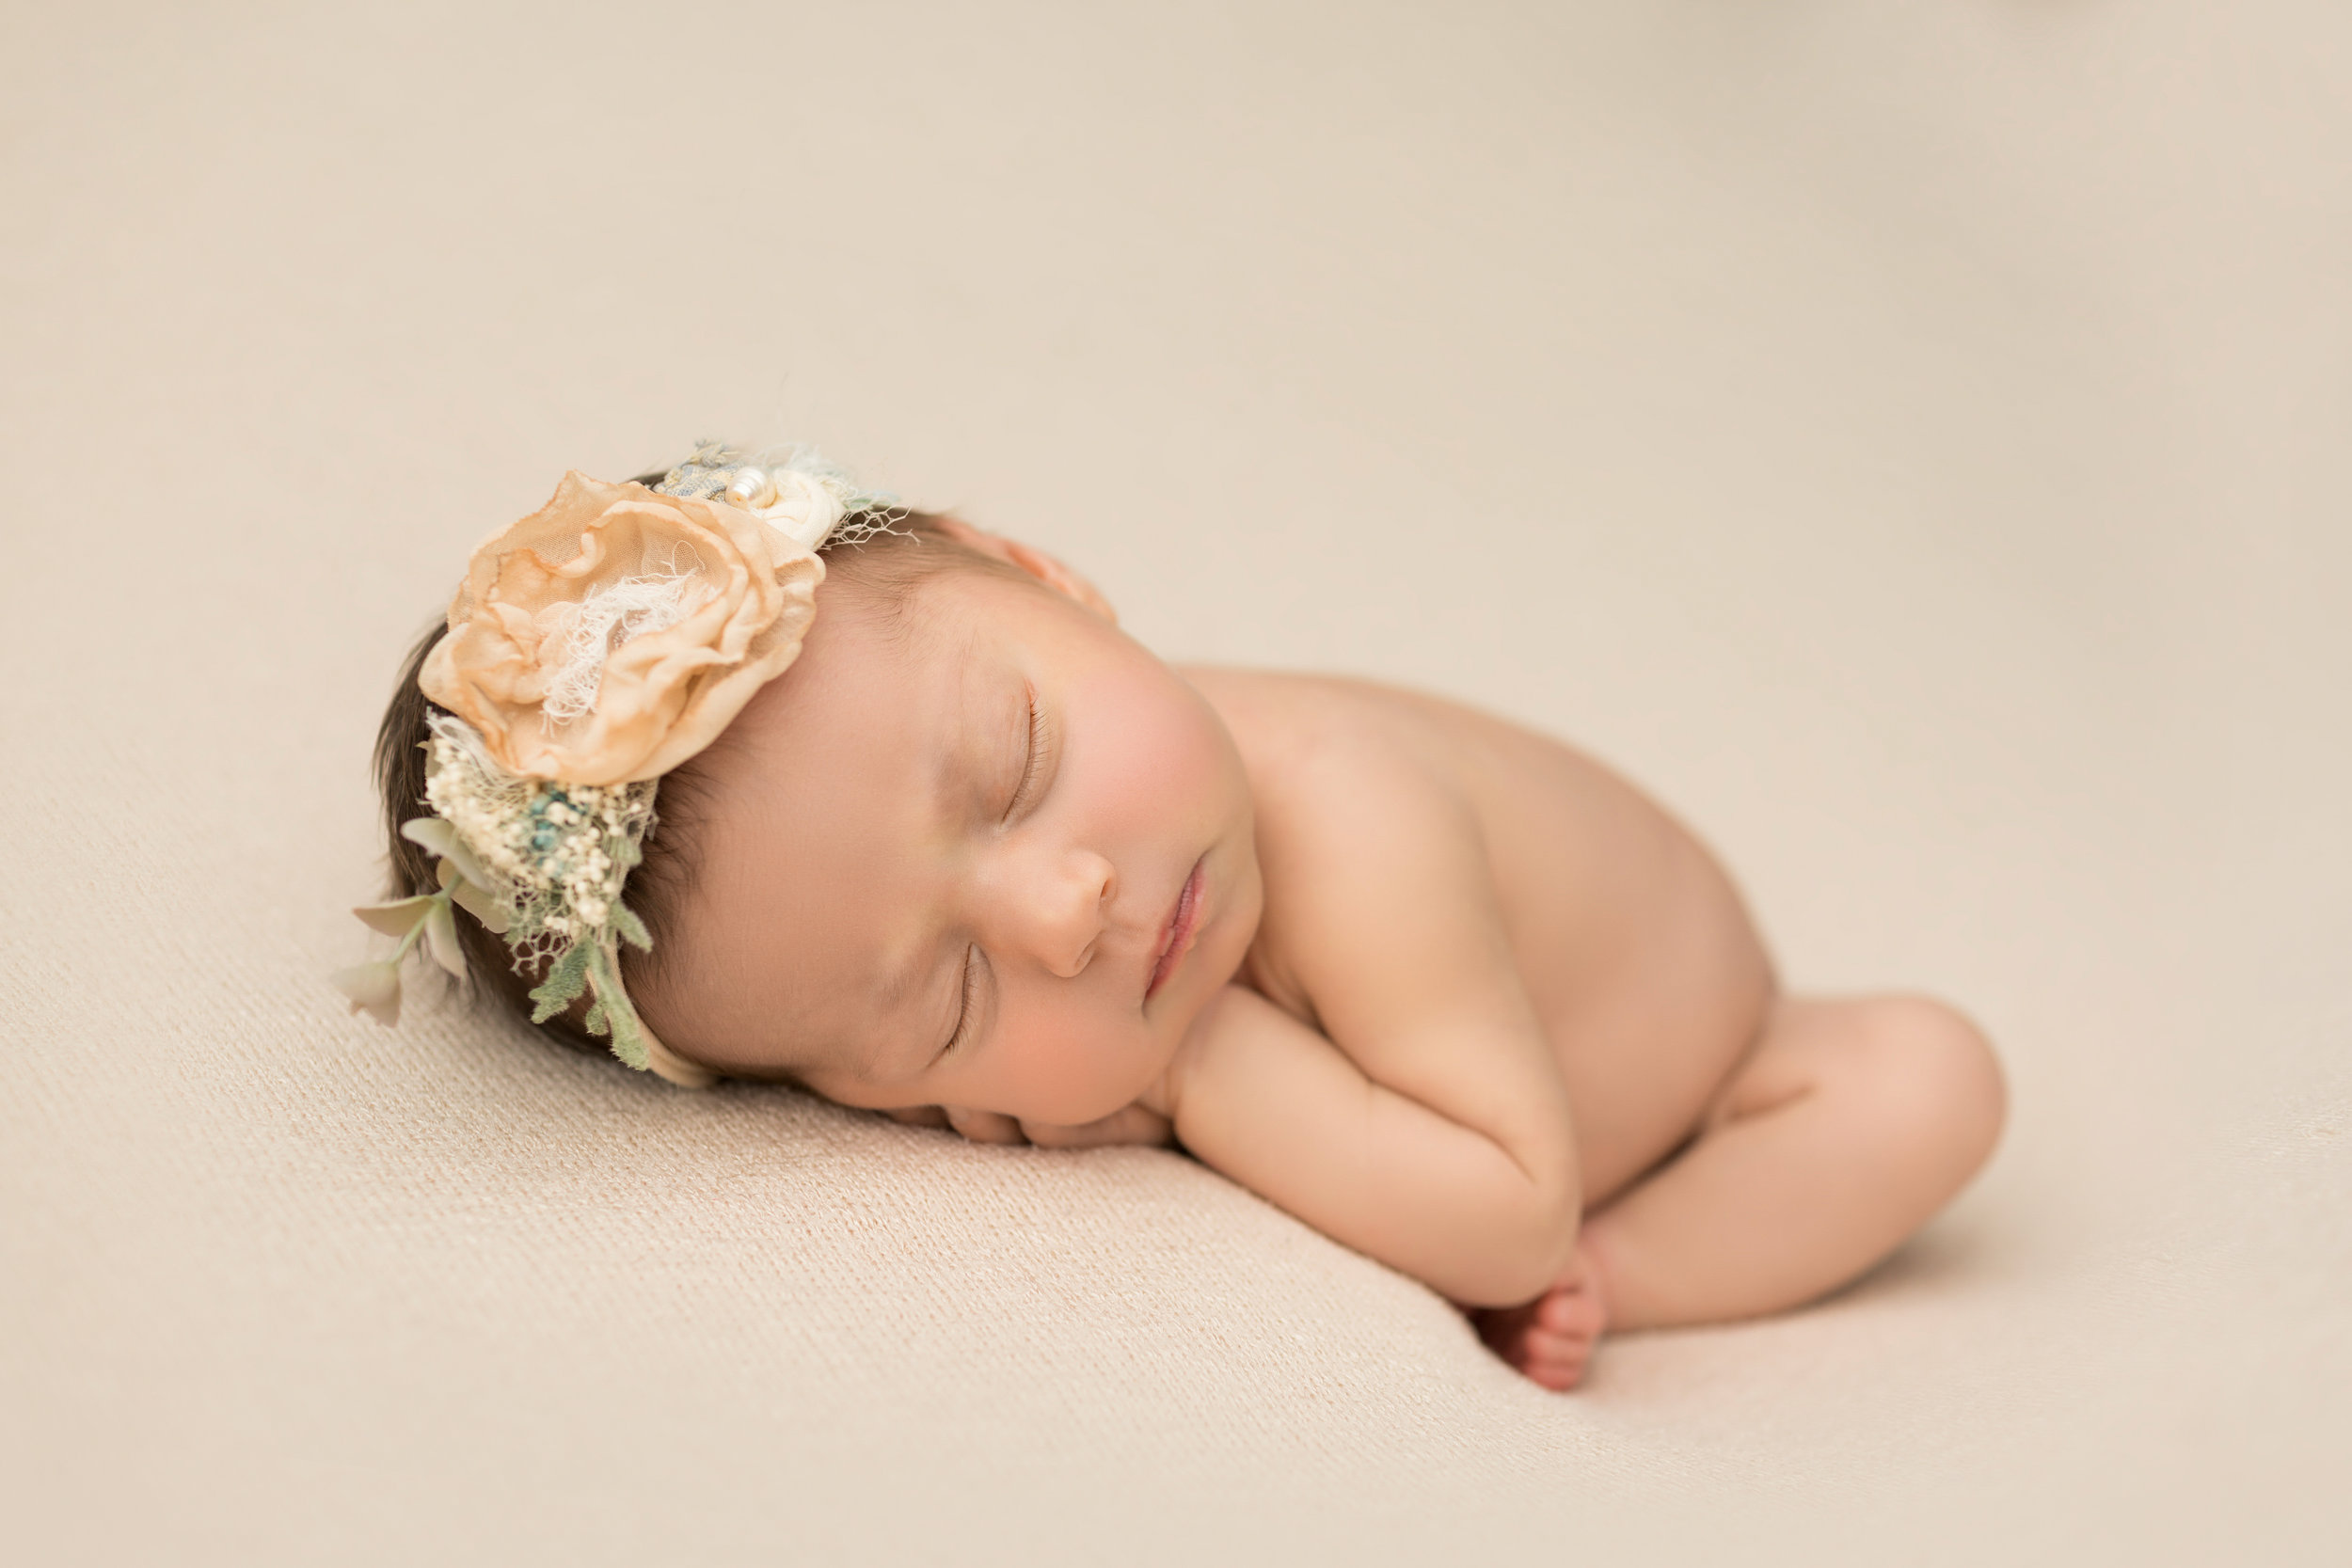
(628, 1042)
(440, 937)
(631, 928)
(493, 913)
(372, 989)
(436, 835)
(563, 984)
(397, 918)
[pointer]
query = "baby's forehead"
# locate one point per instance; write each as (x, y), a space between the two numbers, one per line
(876, 700)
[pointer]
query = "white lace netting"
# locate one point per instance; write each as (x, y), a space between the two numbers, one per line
(591, 629)
(866, 526)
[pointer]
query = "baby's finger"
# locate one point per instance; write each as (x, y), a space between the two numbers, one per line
(919, 1115)
(983, 1127)
(1137, 1124)
(1046, 1136)
(1131, 1125)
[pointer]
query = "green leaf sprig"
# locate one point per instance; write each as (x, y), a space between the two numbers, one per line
(374, 988)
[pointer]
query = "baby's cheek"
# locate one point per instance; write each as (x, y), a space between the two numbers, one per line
(1156, 758)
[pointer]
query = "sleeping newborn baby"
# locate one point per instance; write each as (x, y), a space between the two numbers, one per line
(1450, 992)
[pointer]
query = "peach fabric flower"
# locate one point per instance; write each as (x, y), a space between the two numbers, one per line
(615, 631)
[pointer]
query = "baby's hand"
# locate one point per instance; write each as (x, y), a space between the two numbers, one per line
(1132, 1125)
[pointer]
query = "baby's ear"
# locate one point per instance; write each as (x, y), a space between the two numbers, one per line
(1043, 567)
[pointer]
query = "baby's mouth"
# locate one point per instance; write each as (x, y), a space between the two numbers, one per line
(1183, 924)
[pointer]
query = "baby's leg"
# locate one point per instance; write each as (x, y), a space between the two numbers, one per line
(1841, 1132)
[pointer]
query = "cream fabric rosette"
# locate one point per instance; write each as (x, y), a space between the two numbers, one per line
(616, 631)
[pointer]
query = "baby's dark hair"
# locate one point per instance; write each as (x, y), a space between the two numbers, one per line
(888, 565)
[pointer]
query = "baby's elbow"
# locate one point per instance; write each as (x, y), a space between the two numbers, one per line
(1552, 1246)
(1532, 1250)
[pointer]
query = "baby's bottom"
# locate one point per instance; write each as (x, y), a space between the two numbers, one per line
(1846, 1125)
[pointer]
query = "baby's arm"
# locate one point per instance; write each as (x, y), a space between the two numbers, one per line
(1427, 1123)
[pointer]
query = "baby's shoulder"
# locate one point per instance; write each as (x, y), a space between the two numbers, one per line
(1365, 823)
(1328, 755)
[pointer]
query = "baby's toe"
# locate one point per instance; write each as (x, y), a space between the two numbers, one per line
(1574, 1313)
(1504, 1328)
(1548, 1341)
(1558, 1372)
(1544, 1345)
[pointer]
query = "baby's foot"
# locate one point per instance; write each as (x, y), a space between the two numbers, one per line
(1552, 1336)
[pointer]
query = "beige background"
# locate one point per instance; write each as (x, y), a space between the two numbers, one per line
(1910, 439)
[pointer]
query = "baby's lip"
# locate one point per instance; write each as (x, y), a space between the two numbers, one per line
(1183, 924)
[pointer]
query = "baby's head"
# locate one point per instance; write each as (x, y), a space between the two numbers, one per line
(974, 846)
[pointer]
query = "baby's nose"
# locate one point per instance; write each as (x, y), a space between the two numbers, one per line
(1057, 912)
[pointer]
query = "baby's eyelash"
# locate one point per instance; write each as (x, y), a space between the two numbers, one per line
(1034, 766)
(963, 1009)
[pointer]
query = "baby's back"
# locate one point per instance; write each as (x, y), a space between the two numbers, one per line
(1633, 945)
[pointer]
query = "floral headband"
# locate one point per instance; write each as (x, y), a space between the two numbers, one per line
(594, 645)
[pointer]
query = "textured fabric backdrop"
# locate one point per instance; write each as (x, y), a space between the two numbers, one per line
(1909, 440)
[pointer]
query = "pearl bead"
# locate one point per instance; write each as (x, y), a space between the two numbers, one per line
(751, 489)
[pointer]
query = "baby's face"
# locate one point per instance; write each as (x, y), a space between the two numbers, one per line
(991, 854)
